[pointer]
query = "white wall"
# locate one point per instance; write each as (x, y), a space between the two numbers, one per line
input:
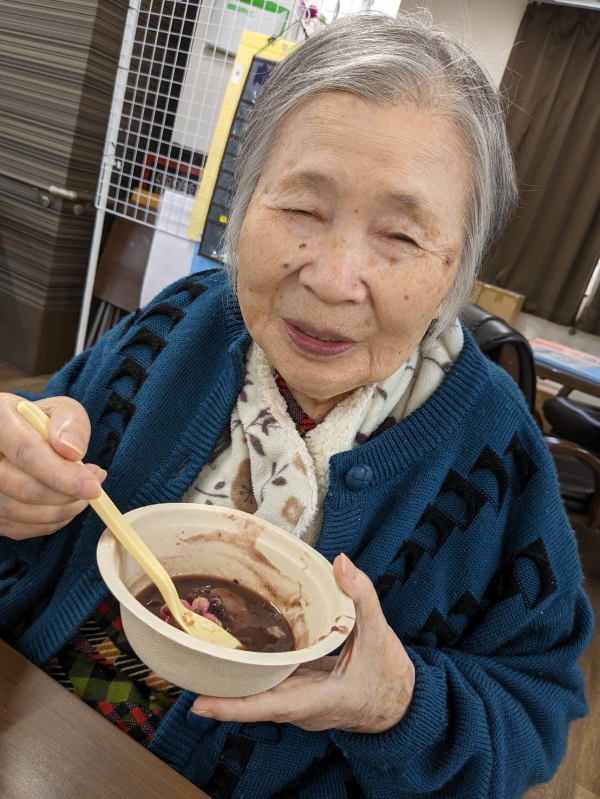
(490, 25)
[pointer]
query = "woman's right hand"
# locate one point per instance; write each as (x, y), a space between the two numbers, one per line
(41, 488)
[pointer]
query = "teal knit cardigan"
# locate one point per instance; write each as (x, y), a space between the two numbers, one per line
(461, 529)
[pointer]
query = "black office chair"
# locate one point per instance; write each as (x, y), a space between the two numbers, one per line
(579, 423)
(575, 437)
(505, 346)
(576, 421)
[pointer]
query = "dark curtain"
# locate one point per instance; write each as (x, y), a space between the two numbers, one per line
(552, 81)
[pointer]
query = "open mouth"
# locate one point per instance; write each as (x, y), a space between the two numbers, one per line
(316, 341)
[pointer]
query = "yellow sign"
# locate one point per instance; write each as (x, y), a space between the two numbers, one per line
(251, 45)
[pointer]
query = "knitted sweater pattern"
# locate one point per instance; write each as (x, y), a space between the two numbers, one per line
(461, 529)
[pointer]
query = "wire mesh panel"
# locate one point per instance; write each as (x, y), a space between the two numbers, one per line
(176, 63)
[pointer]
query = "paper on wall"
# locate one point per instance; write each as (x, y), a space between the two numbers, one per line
(171, 254)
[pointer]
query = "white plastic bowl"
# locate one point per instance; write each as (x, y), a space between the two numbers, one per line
(230, 544)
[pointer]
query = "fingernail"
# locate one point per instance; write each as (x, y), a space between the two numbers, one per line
(348, 568)
(87, 489)
(204, 713)
(101, 474)
(73, 441)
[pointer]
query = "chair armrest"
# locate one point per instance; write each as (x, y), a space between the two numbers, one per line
(575, 421)
(561, 446)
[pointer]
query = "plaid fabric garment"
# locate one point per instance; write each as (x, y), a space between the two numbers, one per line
(99, 666)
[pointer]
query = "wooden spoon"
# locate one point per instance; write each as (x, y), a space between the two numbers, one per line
(192, 623)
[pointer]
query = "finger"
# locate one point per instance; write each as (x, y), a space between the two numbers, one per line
(69, 429)
(19, 486)
(30, 453)
(370, 621)
(288, 702)
(14, 511)
(348, 655)
(326, 663)
(21, 532)
(98, 472)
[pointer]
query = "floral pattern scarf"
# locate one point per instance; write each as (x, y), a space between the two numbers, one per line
(263, 465)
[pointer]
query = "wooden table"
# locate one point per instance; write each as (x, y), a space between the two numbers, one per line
(572, 368)
(569, 381)
(53, 746)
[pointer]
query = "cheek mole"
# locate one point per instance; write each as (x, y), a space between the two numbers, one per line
(285, 266)
(406, 297)
(302, 246)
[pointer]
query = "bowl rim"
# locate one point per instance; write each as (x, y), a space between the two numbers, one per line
(106, 553)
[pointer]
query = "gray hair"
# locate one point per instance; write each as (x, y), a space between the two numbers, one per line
(388, 61)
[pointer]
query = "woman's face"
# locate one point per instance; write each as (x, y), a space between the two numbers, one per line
(351, 241)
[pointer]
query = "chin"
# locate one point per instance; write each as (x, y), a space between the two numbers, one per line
(318, 381)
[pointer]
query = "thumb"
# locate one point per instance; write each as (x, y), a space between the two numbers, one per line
(369, 615)
(69, 429)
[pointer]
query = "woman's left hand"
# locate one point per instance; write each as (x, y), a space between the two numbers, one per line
(367, 688)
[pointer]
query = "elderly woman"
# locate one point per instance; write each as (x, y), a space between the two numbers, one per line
(328, 387)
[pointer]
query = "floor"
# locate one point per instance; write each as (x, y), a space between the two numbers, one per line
(536, 327)
(579, 774)
(11, 379)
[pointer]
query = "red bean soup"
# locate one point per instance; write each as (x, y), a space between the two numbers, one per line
(254, 621)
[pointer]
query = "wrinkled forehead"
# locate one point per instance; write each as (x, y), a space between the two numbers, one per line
(337, 144)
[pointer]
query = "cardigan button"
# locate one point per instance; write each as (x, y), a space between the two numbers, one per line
(199, 723)
(359, 477)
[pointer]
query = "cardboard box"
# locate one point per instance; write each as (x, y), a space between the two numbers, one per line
(501, 302)
(544, 390)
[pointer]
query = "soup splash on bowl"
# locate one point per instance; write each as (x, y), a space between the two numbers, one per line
(253, 568)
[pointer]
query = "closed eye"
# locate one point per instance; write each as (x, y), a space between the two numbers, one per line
(299, 211)
(402, 237)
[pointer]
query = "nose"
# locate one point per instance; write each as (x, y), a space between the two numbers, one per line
(336, 269)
